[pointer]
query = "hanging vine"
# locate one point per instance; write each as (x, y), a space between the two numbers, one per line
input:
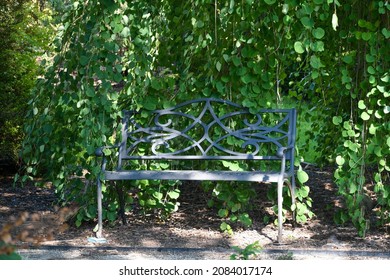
(323, 55)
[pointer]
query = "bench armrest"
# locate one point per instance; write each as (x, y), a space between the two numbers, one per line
(99, 152)
(282, 150)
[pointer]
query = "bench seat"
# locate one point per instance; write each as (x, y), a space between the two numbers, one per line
(195, 175)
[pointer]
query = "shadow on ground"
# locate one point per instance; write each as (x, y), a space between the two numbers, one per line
(191, 233)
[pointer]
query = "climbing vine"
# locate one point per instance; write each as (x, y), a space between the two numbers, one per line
(364, 149)
(328, 58)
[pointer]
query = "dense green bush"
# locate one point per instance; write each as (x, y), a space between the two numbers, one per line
(24, 36)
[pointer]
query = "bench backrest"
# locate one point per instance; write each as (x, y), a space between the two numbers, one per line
(207, 128)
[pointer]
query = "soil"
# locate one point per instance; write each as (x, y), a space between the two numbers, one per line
(190, 233)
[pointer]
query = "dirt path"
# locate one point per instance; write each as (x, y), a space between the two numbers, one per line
(192, 232)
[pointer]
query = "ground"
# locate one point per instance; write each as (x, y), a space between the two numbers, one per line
(191, 233)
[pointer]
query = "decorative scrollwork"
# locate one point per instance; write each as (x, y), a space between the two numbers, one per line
(207, 127)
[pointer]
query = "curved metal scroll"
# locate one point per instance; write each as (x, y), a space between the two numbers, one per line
(204, 128)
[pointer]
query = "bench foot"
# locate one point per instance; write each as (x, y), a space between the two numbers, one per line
(97, 240)
(291, 186)
(99, 234)
(279, 238)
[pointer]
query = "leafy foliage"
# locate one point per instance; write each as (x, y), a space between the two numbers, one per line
(25, 36)
(363, 152)
(246, 253)
(325, 57)
(7, 252)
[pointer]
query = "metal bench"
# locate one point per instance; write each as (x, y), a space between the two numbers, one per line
(209, 132)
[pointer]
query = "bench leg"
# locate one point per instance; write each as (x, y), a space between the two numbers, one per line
(99, 233)
(280, 209)
(121, 197)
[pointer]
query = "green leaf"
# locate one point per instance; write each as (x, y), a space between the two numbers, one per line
(370, 58)
(245, 219)
(155, 83)
(337, 120)
(174, 194)
(256, 89)
(315, 74)
(371, 70)
(85, 111)
(348, 59)
(125, 32)
(199, 24)
(164, 165)
(298, 47)
(242, 71)
(125, 19)
(246, 79)
(270, 2)
(84, 60)
(236, 61)
(111, 216)
(340, 160)
(220, 87)
(304, 191)
(225, 227)
(366, 36)
(383, 90)
(365, 116)
(352, 146)
(307, 22)
(302, 176)
(248, 103)
(352, 188)
(218, 65)
(361, 105)
(226, 57)
(150, 202)
(315, 62)
(317, 46)
(362, 23)
(372, 129)
(234, 166)
(223, 213)
(150, 103)
(378, 178)
(386, 32)
(318, 33)
(189, 38)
